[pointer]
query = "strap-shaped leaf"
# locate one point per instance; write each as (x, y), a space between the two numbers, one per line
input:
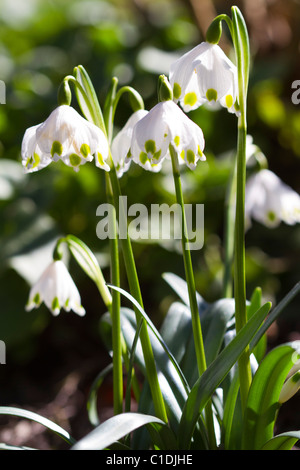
(262, 404)
(20, 413)
(214, 374)
(284, 441)
(88, 262)
(114, 429)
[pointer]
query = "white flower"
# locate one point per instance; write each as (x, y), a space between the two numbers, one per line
(121, 143)
(163, 126)
(204, 75)
(65, 136)
(56, 289)
(290, 386)
(270, 201)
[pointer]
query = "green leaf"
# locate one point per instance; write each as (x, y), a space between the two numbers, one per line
(114, 429)
(89, 102)
(262, 404)
(180, 287)
(255, 303)
(155, 332)
(214, 374)
(276, 312)
(88, 262)
(284, 441)
(228, 415)
(9, 410)
(92, 397)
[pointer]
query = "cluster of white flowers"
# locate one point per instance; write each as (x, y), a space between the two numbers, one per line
(203, 75)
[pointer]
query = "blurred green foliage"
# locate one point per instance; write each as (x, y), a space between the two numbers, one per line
(41, 41)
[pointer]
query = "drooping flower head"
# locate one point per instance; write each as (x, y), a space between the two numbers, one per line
(56, 289)
(270, 201)
(121, 143)
(204, 75)
(66, 136)
(166, 125)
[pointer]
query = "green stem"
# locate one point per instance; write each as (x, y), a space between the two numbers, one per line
(196, 324)
(229, 235)
(115, 308)
(241, 45)
(134, 286)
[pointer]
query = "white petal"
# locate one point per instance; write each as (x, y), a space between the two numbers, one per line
(32, 157)
(182, 71)
(122, 141)
(150, 138)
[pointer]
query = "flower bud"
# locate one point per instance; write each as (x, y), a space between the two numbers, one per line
(64, 95)
(214, 31)
(165, 92)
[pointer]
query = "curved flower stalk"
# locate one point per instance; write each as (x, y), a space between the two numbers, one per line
(204, 75)
(270, 201)
(166, 125)
(57, 290)
(66, 136)
(120, 147)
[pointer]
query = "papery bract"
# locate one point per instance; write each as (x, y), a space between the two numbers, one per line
(66, 136)
(270, 201)
(121, 143)
(56, 289)
(204, 75)
(166, 125)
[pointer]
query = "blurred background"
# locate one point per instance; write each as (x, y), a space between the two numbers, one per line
(50, 363)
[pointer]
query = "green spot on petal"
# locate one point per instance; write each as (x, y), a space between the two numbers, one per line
(271, 216)
(211, 94)
(157, 155)
(177, 140)
(200, 153)
(56, 148)
(100, 159)
(182, 154)
(229, 101)
(190, 156)
(75, 159)
(296, 377)
(190, 98)
(85, 150)
(55, 304)
(150, 146)
(176, 91)
(37, 299)
(143, 158)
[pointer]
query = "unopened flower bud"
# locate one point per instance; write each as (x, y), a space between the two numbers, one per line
(214, 31)
(64, 95)
(165, 92)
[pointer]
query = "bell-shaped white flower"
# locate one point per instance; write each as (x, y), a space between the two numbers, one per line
(56, 289)
(166, 125)
(291, 385)
(66, 136)
(204, 75)
(270, 201)
(121, 143)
